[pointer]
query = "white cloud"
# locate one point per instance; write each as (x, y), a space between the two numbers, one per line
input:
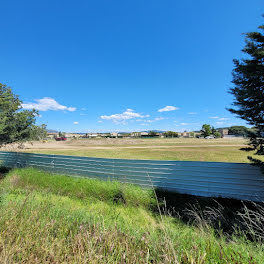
(100, 121)
(219, 118)
(168, 108)
(192, 113)
(159, 118)
(46, 104)
(75, 122)
(220, 123)
(121, 118)
(71, 109)
(151, 120)
(223, 118)
(184, 124)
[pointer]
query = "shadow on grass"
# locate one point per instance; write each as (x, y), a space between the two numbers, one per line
(247, 149)
(3, 172)
(222, 214)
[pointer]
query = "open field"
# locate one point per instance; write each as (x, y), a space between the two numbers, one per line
(223, 150)
(57, 219)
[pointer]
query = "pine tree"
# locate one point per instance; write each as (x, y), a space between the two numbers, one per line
(248, 89)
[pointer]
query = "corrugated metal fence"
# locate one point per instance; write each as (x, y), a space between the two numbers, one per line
(211, 179)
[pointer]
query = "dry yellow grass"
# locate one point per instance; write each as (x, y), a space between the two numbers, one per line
(222, 150)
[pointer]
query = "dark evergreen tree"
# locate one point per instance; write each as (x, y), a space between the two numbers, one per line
(248, 89)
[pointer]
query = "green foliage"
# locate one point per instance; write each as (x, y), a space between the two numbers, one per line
(248, 89)
(38, 132)
(248, 81)
(170, 134)
(15, 124)
(213, 130)
(61, 134)
(152, 133)
(217, 134)
(206, 130)
(239, 130)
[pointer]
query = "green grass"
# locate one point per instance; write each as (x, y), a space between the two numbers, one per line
(50, 218)
(80, 188)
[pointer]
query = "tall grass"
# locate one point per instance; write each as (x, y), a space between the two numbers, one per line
(57, 219)
(80, 188)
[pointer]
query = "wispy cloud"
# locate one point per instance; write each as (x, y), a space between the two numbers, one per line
(168, 108)
(192, 113)
(151, 120)
(219, 123)
(223, 118)
(159, 118)
(127, 115)
(75, 122)
(184, 124)
(46, 104)
(219, 118)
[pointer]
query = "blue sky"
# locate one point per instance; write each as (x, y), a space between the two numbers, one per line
(125, 65)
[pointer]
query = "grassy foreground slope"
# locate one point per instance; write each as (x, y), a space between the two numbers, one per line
(49, 218)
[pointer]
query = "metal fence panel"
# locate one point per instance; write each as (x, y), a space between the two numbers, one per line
(230, 180)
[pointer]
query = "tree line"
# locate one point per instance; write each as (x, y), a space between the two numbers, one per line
(16, 124)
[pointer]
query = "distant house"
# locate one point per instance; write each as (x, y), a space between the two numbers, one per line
(190, 134)
(92, 135)
(135, 134)
(72, 135)
(139, 134)
(223, 132)
(116, 135)
(52, 134)
(105, 135)
(185, 134)
(197, 134)
(144, 134)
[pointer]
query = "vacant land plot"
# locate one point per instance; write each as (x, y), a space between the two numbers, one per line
(223, 150)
